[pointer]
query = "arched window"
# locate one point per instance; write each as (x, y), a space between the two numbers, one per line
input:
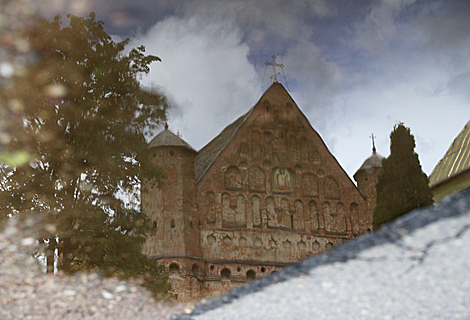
(195, 269)
(233, 179)
(174, 269)
(309, 185)
(225, 274)
(256, 179)
(250, 276)
(331, 188)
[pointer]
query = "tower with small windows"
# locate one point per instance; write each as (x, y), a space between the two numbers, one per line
(172, 210)
(367, 177)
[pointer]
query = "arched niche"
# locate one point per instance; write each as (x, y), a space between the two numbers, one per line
(256, 179)
(284, 217)
(174, 269)
(225, 274)
(195, 269)
(250, 276)
(298, 221)
(233, 179)
(256, 211)
(267, 145)
(271, 212)
(309, 185)
(210, 207)
(335, 220)
(357, 227)
(313, 216)
(331, 188)
(233, 212)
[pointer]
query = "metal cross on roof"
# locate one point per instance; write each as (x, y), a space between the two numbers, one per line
(373, 142)
(274, 64)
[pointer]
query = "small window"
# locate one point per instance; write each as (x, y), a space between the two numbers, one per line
(174, 269)
(263, 269)
(155, 224)
(172, 153)
(250, 276)
(195, 269)
(172, 223)
(225, 274)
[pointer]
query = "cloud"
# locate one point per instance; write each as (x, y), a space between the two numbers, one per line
(206, 67)
(460, 84)
(445, 23)
(266, 28)
(204, 70)
(380, 27)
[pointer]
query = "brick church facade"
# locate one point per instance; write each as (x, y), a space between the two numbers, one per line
(264, 193)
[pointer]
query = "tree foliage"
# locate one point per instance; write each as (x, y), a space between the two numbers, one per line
(79, 111)
(403, 185)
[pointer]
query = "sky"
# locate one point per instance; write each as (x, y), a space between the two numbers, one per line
(353, 67)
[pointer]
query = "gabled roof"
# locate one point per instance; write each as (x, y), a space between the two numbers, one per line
(208, 154)
(210, 151)
(455, 161)
(166, 138)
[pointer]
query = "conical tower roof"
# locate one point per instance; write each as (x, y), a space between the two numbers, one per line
(374, 161)
(371, 163)
(166, 138)
(455, 161)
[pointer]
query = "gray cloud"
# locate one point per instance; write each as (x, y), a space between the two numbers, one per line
(460, 84)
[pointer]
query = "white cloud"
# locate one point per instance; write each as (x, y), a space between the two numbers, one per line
(204, 70)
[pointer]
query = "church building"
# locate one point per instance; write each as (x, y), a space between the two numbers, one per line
(264, 193)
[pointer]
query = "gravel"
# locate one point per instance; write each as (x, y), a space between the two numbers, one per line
(26, 292)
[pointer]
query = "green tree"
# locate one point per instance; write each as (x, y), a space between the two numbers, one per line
(79, 111)
(403, 186)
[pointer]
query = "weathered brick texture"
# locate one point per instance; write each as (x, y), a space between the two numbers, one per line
(264, 193)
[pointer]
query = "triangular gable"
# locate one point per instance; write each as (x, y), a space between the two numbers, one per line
(208, 154)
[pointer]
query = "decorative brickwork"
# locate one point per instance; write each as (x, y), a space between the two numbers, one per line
(264, 193)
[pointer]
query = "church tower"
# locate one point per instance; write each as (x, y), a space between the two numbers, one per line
(367, 177)
(172, 209)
